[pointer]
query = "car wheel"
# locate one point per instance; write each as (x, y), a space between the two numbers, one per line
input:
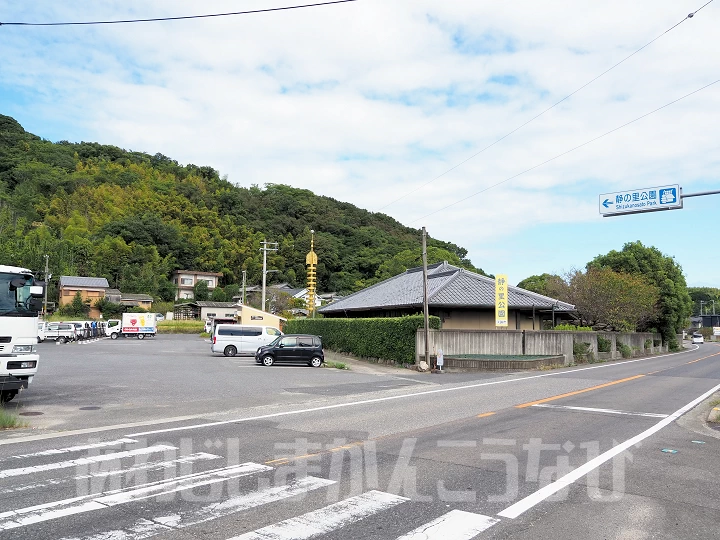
(230, 350)
(141, 336)
(316, 362)
(268, 360)
(7, 395)
(113, 335)
(62, 339)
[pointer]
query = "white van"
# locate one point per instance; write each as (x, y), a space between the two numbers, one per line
(232, 339)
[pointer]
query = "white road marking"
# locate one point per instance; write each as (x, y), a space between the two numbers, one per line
(7, 473)
(70, 449)
(145, 528)
(326, 519)
(609, 411)
(150, 466)
(456, 524)
(540, 495)
(390, 398)
(89, 503)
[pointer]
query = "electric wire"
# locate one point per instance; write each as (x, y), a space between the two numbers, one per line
(566, 152)
(689, 16)
(157, 19)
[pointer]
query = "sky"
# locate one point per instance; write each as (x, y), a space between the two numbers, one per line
(391, 105)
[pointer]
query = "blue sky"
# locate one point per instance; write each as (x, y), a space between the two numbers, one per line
(369, 101)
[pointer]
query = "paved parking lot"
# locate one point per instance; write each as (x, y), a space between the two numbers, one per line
(111, 382)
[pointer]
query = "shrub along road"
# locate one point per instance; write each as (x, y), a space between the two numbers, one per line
(595, 451)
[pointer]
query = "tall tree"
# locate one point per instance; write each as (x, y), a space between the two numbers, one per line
(662, 271)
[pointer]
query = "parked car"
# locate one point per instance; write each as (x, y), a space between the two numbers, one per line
(62, 332)
(292, 348)
(41, 332)
(159, 317)
(233, 339)
(697, 337)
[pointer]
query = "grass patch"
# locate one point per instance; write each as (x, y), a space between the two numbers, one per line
(10, 421)
(337, 365)
(204, 334)
(552, 366)
(715, 402)
(180, 327)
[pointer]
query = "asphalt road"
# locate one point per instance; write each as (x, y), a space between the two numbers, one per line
(616, 450)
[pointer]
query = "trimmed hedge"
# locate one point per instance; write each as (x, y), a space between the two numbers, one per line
(391, 338)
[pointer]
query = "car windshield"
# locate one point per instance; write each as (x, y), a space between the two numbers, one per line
(275, 341)
(14, 295)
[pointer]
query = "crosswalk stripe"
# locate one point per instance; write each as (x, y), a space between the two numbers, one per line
(88, 503)
(456, 524)
(326, 519)
(145, 528)
(85, 461)
(147, 466)
(70, 449)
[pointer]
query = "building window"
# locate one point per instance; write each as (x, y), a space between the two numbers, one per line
(186, 281)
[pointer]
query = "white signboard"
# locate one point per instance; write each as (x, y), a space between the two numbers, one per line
(641, 200)
(716, 330)
(440, 358)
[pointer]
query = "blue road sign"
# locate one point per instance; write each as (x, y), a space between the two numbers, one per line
(634, 201)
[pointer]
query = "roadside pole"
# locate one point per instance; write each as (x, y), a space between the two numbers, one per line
(265, 249)
(426, 311)
(244, 285)
(47, 284)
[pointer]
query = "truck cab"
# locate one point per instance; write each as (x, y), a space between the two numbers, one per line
(20, 300)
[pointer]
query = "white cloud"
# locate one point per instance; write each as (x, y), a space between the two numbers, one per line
(367, 101)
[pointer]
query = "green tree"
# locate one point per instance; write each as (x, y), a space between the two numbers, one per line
(545, 284)
(218, 295)
(662, 271)
(610, 300)
(201, 290)
(77, 308)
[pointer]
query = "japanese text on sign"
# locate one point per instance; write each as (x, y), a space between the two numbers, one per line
(501, 300)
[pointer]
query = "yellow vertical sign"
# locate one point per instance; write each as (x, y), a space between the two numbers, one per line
(501, 300)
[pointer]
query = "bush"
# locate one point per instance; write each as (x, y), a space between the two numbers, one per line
(573, 328)
(391, 338)
(648, 343)
(657, 342)
(625, 350)
(673, 344)
(580, 348)
(604, 344)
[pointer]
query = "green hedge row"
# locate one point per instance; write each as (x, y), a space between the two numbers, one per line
(391, 338)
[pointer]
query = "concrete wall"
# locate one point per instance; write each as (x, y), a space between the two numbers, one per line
(505, 342)
(551, 343)
(456, 319)
(531, 342)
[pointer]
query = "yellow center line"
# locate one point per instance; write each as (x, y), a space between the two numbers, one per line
(485, 415)
(703, 358)
(576, 392)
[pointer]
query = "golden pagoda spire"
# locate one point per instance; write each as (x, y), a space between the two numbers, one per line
(311, 261)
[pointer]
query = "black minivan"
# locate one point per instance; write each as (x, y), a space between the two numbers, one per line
(292, 348)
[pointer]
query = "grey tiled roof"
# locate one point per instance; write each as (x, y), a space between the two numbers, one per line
(448, 286)
(137, 297)
(78, 281)
(206, 303)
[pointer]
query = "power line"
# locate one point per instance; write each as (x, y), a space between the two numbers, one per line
(566, 152)
(178, 18)
(689, 16)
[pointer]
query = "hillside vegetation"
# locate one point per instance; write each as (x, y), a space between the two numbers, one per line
(132, 217)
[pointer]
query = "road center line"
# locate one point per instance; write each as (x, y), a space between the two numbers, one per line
(608, 411)
(392, 398)
(540, 495)
(576, 392)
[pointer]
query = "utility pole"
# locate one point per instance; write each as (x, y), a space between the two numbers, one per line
(47, 283)
(267, 246)
(426, 311)
(243, 286)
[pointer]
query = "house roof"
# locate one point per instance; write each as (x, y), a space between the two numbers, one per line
(78, 281)
(207, 303)
(448, 286)
(198, 273)
(136, 297)
(112, 292)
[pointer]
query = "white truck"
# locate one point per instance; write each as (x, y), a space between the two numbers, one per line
(21, 298)
(140, 325)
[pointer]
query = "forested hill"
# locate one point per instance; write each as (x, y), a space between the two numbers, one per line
(132, 217)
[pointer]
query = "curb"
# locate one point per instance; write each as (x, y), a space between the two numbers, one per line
(714, 415)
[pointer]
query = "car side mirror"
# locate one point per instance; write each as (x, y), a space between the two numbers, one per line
(281, 346)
